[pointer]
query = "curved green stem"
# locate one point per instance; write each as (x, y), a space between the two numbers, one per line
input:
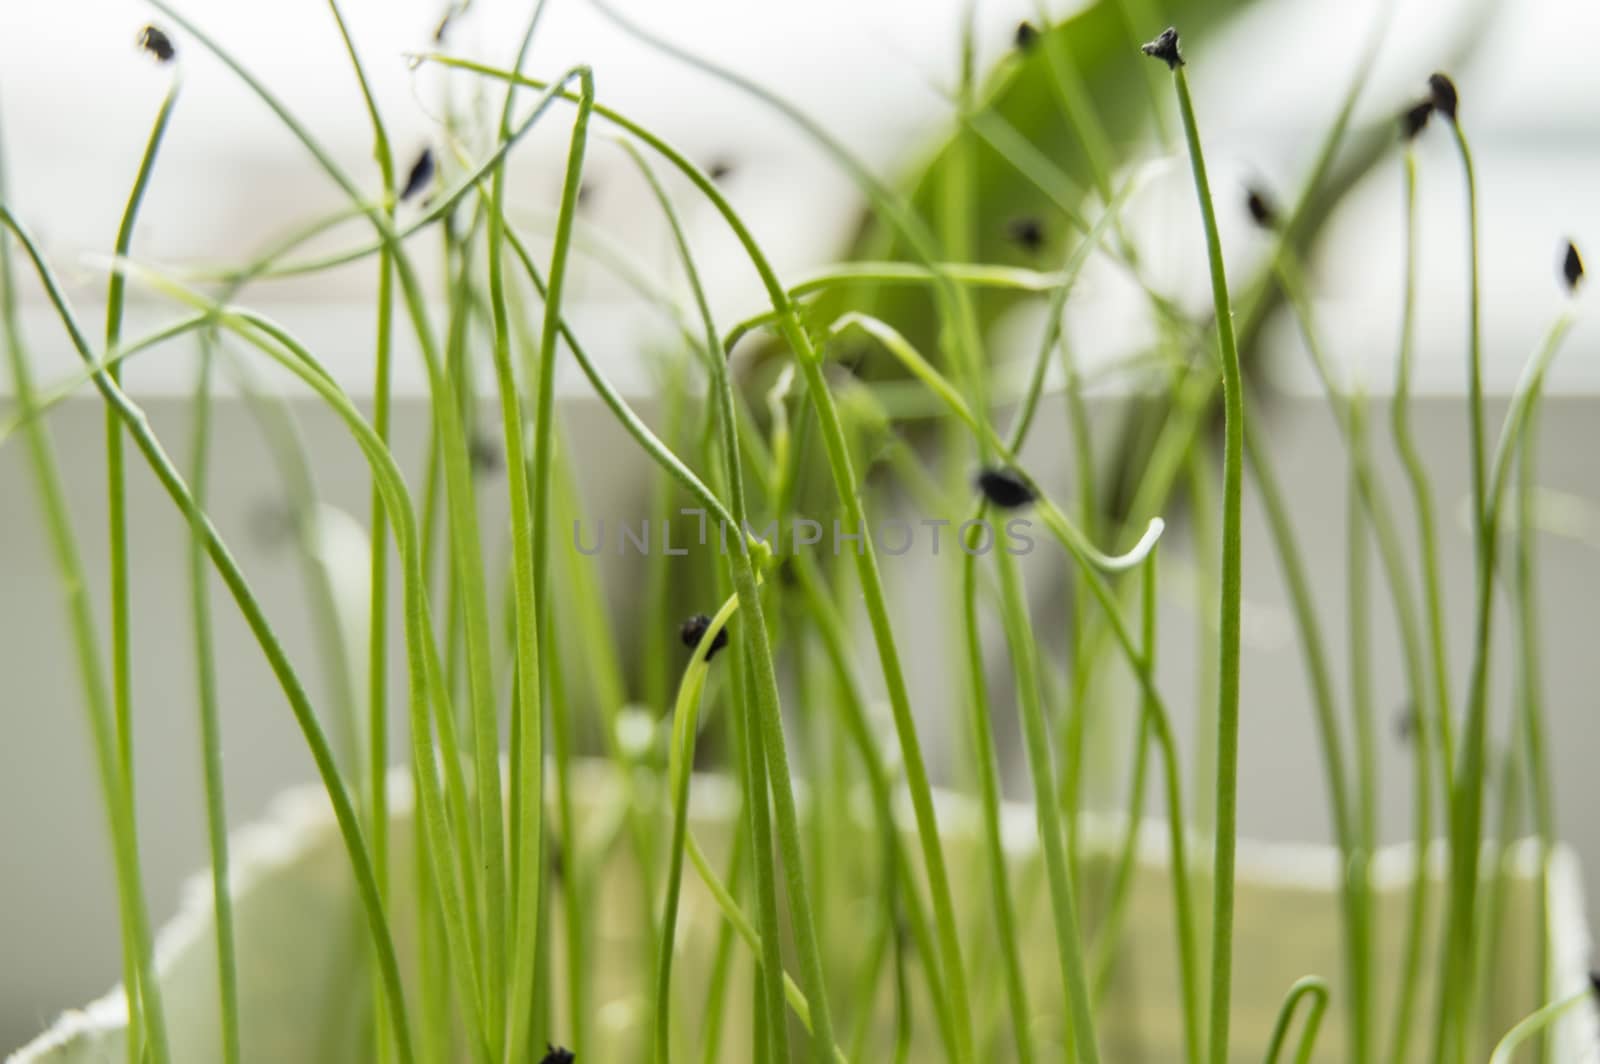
(1310, 987)
(680, 767)
(1505, 1050)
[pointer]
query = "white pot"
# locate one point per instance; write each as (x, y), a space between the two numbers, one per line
(304, 998)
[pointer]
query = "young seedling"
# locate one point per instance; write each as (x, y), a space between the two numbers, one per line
(1166, 48)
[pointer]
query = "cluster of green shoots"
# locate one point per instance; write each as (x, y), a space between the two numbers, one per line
(846, 952)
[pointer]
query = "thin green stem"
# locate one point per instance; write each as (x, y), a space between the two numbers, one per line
(767, 947)
(1466, 794)
(980, 722)
(1421, 492)
(1358, 610)
(378, 564)
(1036, 741)
(1530, 686)
(1110, 934)
(117, 534)
(1231, 586)
(378, 575)
(210, 720)
(722, 963)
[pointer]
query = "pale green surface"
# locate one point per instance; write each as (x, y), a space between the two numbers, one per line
(304, 998)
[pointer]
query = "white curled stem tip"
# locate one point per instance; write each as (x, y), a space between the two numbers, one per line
(1141, 550)
(1110, 563)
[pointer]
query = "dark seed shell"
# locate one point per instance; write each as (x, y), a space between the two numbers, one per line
(1415, 119)
(1165, 48)
(693, 629)
(1443, 91)
(421, 175)
(1026, 232)
(158, 44)
(1262, 210)
(1572, 267)
(1004, 489)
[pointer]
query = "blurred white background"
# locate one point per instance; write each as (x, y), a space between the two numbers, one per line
(76, 100)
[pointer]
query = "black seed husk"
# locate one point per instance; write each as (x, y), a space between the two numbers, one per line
(421, 175)
(1262, 210)
(1165, 48)
(693, 629)
(1443, 91)
(1004, 489)
(1415, 119)
(1026, 232)
(1572, 267)
(158, 44)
